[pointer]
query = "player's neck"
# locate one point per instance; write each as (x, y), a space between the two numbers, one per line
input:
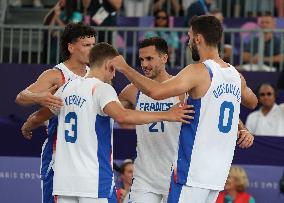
(97, 73)
(76, 67)
(209, 53)
(163, 76)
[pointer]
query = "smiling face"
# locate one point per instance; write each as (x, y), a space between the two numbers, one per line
(152, 62)
(81, 48)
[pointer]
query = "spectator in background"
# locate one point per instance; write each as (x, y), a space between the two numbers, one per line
(269, 119)
(172, 39)
(197, 8)
(64, 12)
(126, 175)
(226, 37)
(18, 3)
(271, 41)
(175, 5)
(136, 8)
(102, 13)
(235, 186)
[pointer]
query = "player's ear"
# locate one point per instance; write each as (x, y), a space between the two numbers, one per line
(70, 47)
(164, 58)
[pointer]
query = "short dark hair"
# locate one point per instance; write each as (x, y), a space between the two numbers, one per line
(209, 27)
(100, 52)
(159, 43)
(71, 33)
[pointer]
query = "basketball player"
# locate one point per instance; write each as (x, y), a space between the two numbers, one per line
(76, 43)
(83, 160)
(156, 142)
(216, 89)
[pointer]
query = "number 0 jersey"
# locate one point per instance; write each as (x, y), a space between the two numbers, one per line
(207, 144)
(156, 147)
(83, 159)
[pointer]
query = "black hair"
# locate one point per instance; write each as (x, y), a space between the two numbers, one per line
(209, 27)
(71, 33)
(159, 43)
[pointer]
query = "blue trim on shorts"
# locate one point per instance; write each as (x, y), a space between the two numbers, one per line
(47, 188)
(175, 191)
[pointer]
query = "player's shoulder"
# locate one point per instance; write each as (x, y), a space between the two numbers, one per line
(130, 89)
(54, 76)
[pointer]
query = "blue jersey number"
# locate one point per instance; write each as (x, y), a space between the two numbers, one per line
(224, 126)
(154, 127)
(71, 134)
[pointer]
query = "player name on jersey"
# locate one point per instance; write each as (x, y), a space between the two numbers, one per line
(155, 106)
(74, 99)
(227, 88)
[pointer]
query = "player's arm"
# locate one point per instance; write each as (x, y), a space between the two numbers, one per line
(35, 120)
(249, 99)
(128, 116)
(41, 91)
(127, 96)
(245, 138)
(177, 85)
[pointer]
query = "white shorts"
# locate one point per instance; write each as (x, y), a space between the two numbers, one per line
(68, 199)
(146, 196)
(185, 194)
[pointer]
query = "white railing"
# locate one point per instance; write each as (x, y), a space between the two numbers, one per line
(40, 44)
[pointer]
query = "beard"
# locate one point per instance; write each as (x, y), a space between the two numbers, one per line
(194, 51)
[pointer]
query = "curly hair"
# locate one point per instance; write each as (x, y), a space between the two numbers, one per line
(240, 176)
(71, 33)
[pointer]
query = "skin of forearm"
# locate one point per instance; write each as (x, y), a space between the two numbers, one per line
(138, 118)
(26, 98)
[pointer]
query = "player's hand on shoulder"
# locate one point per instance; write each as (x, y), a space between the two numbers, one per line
(47, 99)
(181, 113)
(26, 131)
(245, 138)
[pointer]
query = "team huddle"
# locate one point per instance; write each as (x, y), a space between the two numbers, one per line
(187, 125)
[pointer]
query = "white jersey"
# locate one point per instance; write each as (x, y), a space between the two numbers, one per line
(48, 148)
(156, 147)
(83, 159)
(67, 74)
(207, 144)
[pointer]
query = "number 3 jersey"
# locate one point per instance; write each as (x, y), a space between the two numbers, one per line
(83, 158)
(156, 147)
(207, 144)
(48, 148)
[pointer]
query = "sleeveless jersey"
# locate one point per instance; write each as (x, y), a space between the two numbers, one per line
(156, 147)
(83, 158)
(207, 144)
(48, 147)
